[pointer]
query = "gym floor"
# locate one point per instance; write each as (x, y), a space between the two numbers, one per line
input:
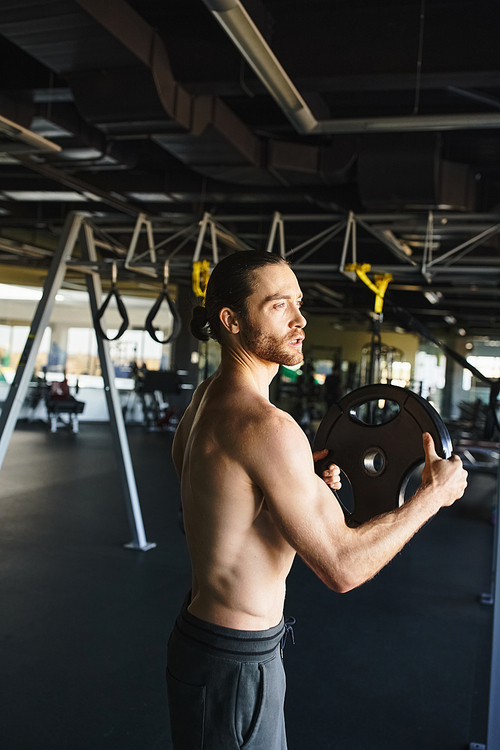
(402, 662)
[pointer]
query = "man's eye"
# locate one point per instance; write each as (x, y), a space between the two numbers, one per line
(280, 304)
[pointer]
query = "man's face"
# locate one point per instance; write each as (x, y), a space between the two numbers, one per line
(272, 327)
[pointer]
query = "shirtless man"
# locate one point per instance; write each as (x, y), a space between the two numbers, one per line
(251, 502)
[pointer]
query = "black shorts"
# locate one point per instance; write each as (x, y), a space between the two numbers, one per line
(226, 688)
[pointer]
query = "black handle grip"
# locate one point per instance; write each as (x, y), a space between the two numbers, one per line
(177, 324)
(121, 309)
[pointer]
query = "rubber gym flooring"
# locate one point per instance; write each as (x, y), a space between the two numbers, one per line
(402, 662)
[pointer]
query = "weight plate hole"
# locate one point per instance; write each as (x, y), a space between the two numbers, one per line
(345, 495)
(374, 462)
(375, 412)
(411, 483)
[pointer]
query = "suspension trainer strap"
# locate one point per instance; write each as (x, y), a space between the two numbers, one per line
(177, 322)
(113, 292)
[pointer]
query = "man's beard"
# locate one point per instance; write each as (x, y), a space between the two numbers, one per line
(270, 348)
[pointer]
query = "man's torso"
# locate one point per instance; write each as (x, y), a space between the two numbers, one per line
(239, 558)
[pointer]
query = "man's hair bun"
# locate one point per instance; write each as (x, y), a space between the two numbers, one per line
(199, 324)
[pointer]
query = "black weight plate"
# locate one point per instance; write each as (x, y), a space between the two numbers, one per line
(379, 458)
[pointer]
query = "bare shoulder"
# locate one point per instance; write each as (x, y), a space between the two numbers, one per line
(200, 392)
(275, 422)
(274, 436)
(184, 427)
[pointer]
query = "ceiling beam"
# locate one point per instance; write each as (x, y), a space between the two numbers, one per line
(80, 186)
(358, 83)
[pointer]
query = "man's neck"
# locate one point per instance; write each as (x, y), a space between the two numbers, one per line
(246, 368)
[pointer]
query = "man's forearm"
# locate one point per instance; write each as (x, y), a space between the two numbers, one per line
(373, 544)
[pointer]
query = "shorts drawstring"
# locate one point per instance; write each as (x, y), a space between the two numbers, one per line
(289, 623)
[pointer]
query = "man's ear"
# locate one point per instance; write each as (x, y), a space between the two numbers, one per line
(229, 320)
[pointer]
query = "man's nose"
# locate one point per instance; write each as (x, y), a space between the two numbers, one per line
(299, 320)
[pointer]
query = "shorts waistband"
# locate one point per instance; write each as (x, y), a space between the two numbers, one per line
(251, 644)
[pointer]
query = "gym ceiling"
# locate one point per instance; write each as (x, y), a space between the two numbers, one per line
(382, 116)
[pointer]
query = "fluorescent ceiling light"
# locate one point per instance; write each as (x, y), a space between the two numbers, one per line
(44, 195)
(48, 129)
(418, 243)
(43, 96)
(433, 297)
(151, 197)
(450, 319)
(392, 238)
(6, 159)
(84, 154)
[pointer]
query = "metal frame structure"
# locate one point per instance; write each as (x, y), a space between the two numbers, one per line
(277, 224)
(22, 378)
(120, 440)
(384, 227)
(493, 739)
(142, 220)
(493, 736)
(428, 267)
(75, 227)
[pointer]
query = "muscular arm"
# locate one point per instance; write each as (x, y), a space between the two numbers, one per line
(311, 520)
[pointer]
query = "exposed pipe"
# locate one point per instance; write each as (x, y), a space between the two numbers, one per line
(238, 25)
(411, 123)
(23, 139)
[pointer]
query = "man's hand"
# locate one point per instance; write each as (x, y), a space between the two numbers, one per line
(447, 476)
(331, 475)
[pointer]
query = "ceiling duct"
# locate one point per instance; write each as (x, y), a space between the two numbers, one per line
(404, 171)
(204, 134)
(123, 84)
